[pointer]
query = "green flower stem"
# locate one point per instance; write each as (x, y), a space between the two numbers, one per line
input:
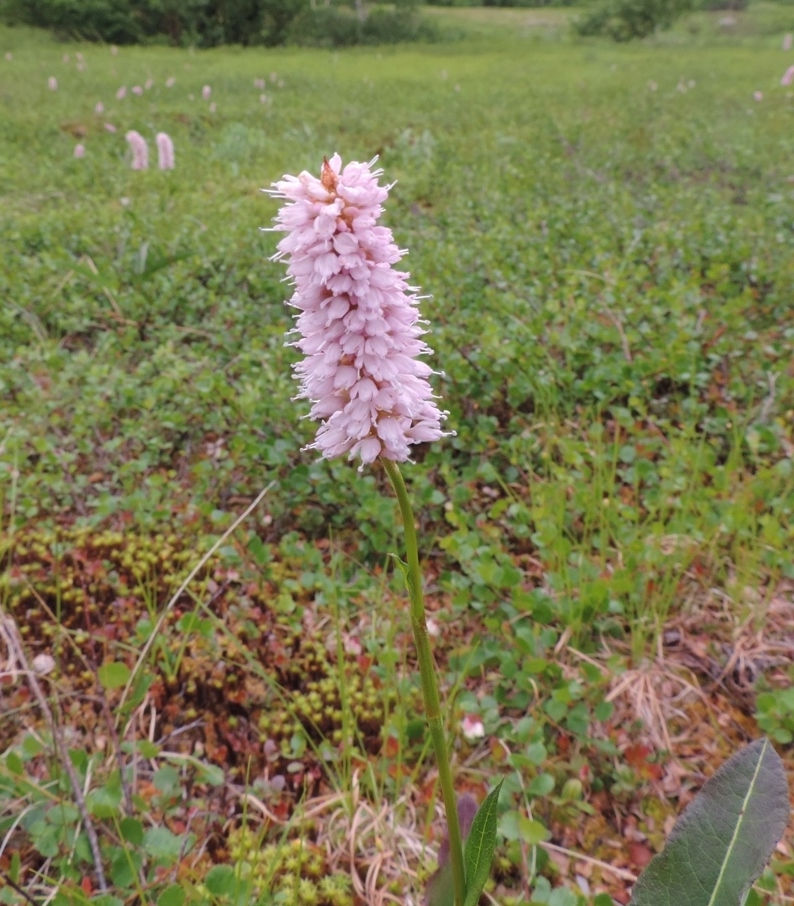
(429, 685)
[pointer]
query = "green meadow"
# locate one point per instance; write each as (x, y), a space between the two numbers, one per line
(202, 630)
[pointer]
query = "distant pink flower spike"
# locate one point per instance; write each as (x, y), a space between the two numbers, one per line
(140, 150)
(52, 83)
(81, 67)
(260, 84)
(788, 77)
(206, 91)
(758, 96)
(79, 151)
(79, 57)
(788, 41)
(109, 127)
(66, 58)
(170, 82)
(100, 108)
(149, 84)
(213, 107)
(121, 93)
(9, 56)
(136, 89)
(359, 322)
(165, 151)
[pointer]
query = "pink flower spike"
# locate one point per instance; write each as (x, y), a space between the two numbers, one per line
(472, 727)
(165, 151)
(136, 89)
(788, 41)
(100, 108)
(52, 83)
(140, 150)
(758, 96)
(206, 91)
(79, 151)
(109, 127)
(121, 93)
(358, 317)
(788, 77)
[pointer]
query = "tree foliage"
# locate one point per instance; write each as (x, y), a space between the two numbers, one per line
(625, 20)
(209, 23)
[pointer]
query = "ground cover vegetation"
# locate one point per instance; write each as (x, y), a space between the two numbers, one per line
(207, 692)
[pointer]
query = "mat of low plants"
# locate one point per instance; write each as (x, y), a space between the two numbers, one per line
(604, 235)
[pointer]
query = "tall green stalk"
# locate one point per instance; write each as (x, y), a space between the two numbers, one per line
(429, 684)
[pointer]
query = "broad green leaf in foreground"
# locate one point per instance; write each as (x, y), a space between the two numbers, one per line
(480, 845)
(721, 843)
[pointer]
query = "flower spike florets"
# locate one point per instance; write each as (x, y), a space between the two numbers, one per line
(359, 322)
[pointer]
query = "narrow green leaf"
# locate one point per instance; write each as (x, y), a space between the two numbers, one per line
(113, 675)
(721, 843)
(480, 845)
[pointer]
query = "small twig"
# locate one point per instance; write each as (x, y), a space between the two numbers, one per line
(580, 857)
(63, 755)
(18, 889)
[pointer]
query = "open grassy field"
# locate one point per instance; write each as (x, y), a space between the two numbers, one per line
(606, 237)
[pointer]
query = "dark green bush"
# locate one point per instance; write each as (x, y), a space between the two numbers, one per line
(209, 23)
(624, 20)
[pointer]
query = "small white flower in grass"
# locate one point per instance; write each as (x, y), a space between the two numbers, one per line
(121, 93)
(263, 99)
(43, 664)
(359, 324)
(433, 629)
(788, 41)
(472, 727)
(52, 83)
(206, 91)
(79, 151)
